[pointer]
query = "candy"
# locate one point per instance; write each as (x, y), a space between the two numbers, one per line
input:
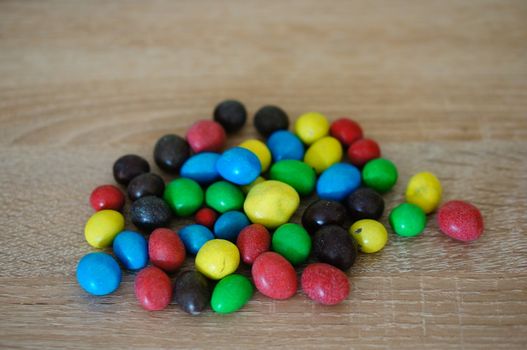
(325, 284)
(334, 246)
(153, 288)
(149, 213)
(98, 273)
(296, 174)
(229, 225)
(271, 203)
(408, 220)
(365, 203)
(131, 249)
(107, 197)
(231, 294)
(231, 114)
(292, 242)
(424, 190)
(269, 119)
(274, 276)
(284, 145)
(192, 292)
(248, 187)
(201, 167)
(129, 166)
(166, 250)
(206, 217)
(345, 130)
(217, 258)
(206, 135)
(252, 241)
(460, 220)
(260, 150)
(224, 196)
(370, 235)
(194, 237)
(102, 227)
(310, 127)
(184, 196)
(380, 174)
(321, 213)
(239, 165)
(147, 184)
(362, 151)
(338, 181)
(323, 153)
(170, 152)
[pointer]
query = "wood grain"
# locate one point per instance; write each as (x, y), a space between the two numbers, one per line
(441, 85)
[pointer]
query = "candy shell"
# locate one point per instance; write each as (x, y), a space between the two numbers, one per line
(274, 276)
(98, 273)
(252, 241)
(131, 249)
(166, 250)
(102, 227)
(460, 220)
(325, 284)
(153, 288)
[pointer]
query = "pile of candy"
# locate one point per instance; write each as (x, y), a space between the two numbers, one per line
(242, 200)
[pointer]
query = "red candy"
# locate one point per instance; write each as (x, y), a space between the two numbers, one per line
(252, 241)
(325, 284)
(346, 131)
(274, 276)
(362, 151)
(206, 217)
(460, 220)
(107, 197)
(153, 288)
(166, 250)
(206, 135)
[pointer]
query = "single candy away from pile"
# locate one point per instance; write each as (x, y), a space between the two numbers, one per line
(242, 201)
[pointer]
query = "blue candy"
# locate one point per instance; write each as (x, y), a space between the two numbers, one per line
(239, 165)
(131, 249)
(98, 273)
(284, 144)
(338, 181)
(201, 167)
(229, 225)
(194, 236)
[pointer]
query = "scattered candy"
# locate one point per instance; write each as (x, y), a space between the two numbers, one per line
(311, 127)
(338, 181)
(365, 203)
(252, 241)
(296, 174)
(98, 273)
(260, 150)
(184, 196)
(380, 174)
(269, 119)
(334, 246)
(229, 225)
(323, 153)
(217, 258)
(147, 184)
(131, 249)
(201, 167)
(192, 292)
(107, 197)
(231, 294)
(206, 135)
(239, 165)
(408, 220)
(292, 242)
(370, 235)
(194, 237)
(149, 213)
(223, 196)
(153, 288)
(129, 166)
(274, 276)
(284, 145)
(102, 227)
(345, 130)
(362, 151)
(322, 213)
(206, 217)
(424, 190)
(460, 220)
(170, 152)
(325, 284)
(231, 114)
(166, 250)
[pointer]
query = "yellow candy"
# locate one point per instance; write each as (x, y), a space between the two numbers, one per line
(271, 203)
(311, 127)
(323, 153)
(260, 150)
(371, 235)
(217, 258)
(424, 190)
(102, 227)
(248, 187)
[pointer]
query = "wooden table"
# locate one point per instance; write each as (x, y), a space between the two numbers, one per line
(442, 85)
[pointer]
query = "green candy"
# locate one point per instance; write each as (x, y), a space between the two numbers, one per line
(408, 220)
(223, 196)
(296, 174)
(380, 174)
(292, 242)
(184, 196)
(231, 294)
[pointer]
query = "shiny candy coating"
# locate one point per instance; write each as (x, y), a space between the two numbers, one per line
(424, 190)
(338, 181)
(231, 294)
(229, 225)
(192, 292)
(370, 235)
(206, 217)
(217, 258)
(269, 119)
(365, 203)
(149, 213)
(107, 197)
(311, 127)
(166, 250)
(247, 188)
(206, 135)
(131, 249)
(274, 276)
(239, 165)
(284, 145)
(102, 227)
(333, 245)
(194, 237)
(223, 196)
(260, 150)
(323, 153)
(380, 174)
(362, 151)
(170, 152)
(148, 184)
(346, 131)
(98, 273)
(184, 196)
(153, 288)
(321, 213)
(460, 220)
(252, 241)
(129, 166)
(292, 242)
(231, 114)
(325, 284)
(407, 220)
(201, 167)
(296, 174)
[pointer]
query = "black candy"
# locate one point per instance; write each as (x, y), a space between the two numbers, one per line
(231, 114)
(148, 184)
(269, 119)
(192, 292)
(150, 212)
(333, 245)
(170, 152)
(365, 203)
(129, 166)
(321, 213)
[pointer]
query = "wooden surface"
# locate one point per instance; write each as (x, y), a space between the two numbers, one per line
(442, 85)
